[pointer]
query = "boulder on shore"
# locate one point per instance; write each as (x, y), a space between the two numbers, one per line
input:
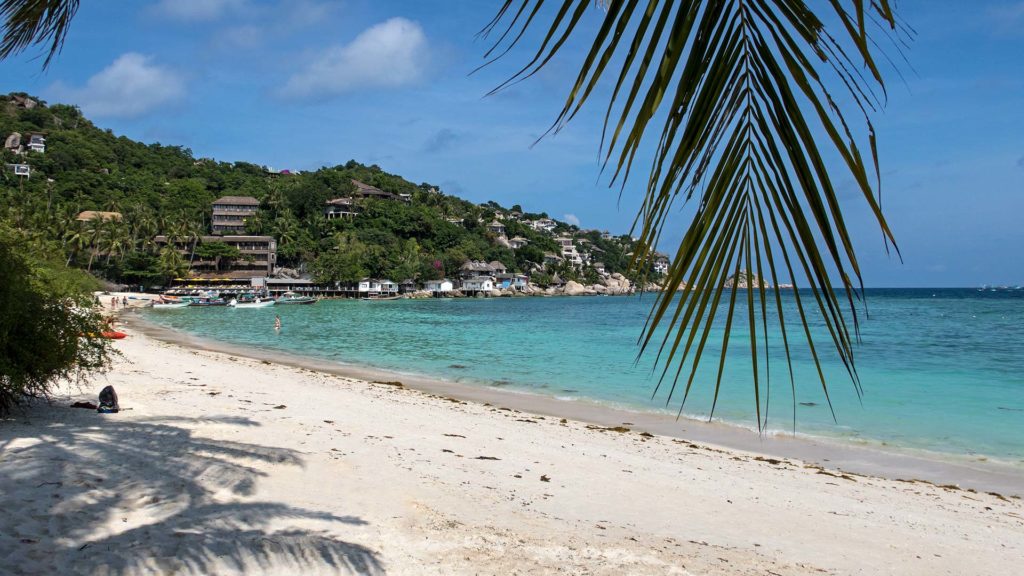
(573, 288)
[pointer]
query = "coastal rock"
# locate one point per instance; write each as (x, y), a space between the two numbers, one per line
(599, 289)
(495, 293)
(573, 288)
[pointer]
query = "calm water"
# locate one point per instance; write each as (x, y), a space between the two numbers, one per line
(942, 370)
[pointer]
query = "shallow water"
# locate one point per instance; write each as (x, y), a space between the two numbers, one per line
(941, 369)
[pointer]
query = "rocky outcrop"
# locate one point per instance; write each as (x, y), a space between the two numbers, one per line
(288, 273)
(617, 284)
(745, 279)
(573, 288)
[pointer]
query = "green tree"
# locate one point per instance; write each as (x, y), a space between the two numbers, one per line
(47, 323)
(345, 263)
(171, 264)
(219, 252)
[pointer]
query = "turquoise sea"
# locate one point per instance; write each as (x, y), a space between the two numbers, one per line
(942, 369)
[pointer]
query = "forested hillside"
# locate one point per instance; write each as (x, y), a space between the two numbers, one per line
(164, 189)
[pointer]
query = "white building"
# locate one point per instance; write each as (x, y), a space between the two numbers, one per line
(375, 287)
(340, 208)
(37, 142)
(478, 284)
(569, 252)
(518, 242)
(20, 169)
(496, 227)
(661, 264)
(543, 225)
(437, 287)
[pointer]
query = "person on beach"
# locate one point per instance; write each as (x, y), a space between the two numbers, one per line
(277, 323)
(124, 302)
(113, 302)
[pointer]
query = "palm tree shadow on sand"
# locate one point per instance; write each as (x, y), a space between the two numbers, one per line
(102, 495)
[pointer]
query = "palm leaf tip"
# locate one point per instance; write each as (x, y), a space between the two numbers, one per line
(743, 93)
(28, 23)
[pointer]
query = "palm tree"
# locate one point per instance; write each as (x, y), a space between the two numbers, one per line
(77, 237)
(171, 263)
(94, 232)
(743, 91)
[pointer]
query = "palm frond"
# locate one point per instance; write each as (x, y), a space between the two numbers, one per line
(28, 23)
(742, 90)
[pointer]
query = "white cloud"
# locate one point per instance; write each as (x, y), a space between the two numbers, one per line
(131, 86)
(198, 10)
(389, 55)
(571, 219)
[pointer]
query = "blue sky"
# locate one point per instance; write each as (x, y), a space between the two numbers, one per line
(303, 83)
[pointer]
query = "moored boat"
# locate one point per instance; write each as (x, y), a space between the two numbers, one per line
(293, 298)
(234, 303)
(208, 302)
(170, 305)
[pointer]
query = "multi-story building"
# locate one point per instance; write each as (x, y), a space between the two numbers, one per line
(231, 212)
(258, 256)
(569, 252)
(340, 208)
(37, 142)
(660, 264)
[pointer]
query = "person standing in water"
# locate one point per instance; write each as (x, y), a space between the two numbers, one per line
(277, 323)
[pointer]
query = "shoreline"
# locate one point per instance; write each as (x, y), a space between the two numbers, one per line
(834, 454)
(223, 464)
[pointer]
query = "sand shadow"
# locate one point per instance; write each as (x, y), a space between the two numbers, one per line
(92, 494)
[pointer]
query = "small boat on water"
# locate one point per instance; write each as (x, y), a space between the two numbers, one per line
(257, 303)
(170, 305)
(208, 302)
(293, 298)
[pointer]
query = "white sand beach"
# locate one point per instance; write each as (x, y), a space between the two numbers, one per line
(225, 464)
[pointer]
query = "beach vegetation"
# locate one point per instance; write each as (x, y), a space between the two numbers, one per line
(49, 330)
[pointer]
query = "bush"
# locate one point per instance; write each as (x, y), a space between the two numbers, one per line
(45, 309)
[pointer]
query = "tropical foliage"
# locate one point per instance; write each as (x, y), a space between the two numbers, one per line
(739, 101)
(49, 330)
(164, 190)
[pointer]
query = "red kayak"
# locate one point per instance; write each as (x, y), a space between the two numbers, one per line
(113, 335)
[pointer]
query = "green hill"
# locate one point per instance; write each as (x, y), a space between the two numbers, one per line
(162, 189)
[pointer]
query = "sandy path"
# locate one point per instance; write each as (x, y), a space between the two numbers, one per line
(230, 465)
